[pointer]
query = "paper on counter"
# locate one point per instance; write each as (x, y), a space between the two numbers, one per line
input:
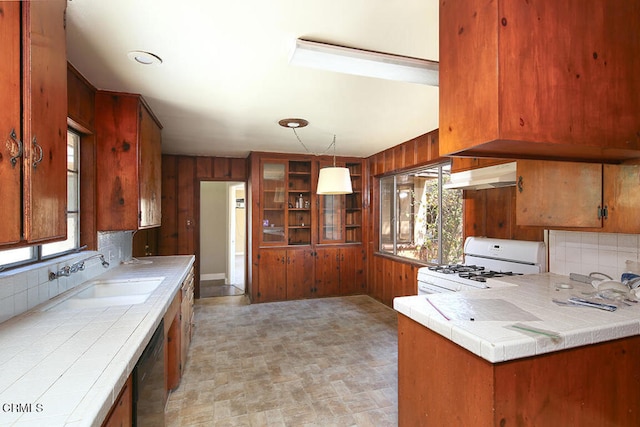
(465, 308)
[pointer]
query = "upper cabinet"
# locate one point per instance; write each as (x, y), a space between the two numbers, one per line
(33, 121)
(540, 79)
(570, 195)
(285, 200)
(129, 163)
(341, 215)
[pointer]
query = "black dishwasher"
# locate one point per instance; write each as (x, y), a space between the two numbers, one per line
(148, 383)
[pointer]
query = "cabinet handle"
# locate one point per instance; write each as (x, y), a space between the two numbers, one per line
(37, 147)
(520, 184)
(14, 158)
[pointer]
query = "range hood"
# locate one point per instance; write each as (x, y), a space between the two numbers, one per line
(502, 175)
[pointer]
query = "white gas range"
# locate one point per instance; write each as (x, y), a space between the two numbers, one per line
(483, 258)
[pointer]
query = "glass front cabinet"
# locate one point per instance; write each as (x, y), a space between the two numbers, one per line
(285, 202)
(341, 215)
(291, 213)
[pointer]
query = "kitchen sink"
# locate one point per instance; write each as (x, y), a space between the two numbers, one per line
(106, 293)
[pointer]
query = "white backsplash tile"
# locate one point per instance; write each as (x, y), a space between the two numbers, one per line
(23, 288)
(584, 253)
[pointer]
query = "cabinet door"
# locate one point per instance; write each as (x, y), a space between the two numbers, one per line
(540, 79)
(45, 120)
(351, 270)
(300, 266)
(10, 163)
(272, 275)
(150, 171)
(622, 198)
(558, 194)
(332, 217)
(327, 272)
(273, 204)
(117, 126)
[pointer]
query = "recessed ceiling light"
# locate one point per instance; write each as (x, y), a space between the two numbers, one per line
(144, 58)
(293, 123)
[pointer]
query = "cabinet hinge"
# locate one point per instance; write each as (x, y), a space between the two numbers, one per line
(603, 212)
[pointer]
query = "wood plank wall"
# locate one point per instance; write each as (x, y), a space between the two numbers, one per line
(179, 233)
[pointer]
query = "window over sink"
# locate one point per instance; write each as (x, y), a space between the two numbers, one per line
(419, 219)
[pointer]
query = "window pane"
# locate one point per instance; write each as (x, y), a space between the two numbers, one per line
(13, 256)
(66, 245)
(419, 219)
(72, 191)
(452, 244)
(73, 201)
(386, 214)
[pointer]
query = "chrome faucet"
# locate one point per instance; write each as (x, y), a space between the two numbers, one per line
(76, 266)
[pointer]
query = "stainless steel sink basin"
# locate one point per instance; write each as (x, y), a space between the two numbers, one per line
(106, 293)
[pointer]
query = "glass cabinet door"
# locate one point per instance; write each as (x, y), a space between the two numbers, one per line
(332, 218)
(273, 202)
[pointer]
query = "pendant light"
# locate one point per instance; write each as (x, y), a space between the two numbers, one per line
(332, 180)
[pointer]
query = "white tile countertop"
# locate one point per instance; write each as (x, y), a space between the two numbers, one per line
(66, 367)
(482, 321)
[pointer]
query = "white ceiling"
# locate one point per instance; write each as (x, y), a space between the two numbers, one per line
(225, 81)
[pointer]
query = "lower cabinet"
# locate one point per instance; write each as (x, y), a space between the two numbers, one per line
(285, 274)
(186, 316)
(178, 325)
(288, 274)
(339, 271)
(121, 413)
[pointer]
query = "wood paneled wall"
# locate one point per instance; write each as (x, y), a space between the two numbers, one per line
(492, 213)
(179, 233)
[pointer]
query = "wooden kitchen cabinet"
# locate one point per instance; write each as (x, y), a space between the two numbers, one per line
(339, 271)
(285, 274)
(33, 122)
(621, 197)
(559, 194)
(285, 201)
(289, 236)
(340, 216)
(591, 385)
(121, 413)
(178, 325)
(531, 79)
(578, 195)
(128, 163)
(187, 320)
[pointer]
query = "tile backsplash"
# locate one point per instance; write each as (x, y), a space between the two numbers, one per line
(581, 252)
(21, 289)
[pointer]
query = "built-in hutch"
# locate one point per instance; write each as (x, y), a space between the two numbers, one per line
(302, 244)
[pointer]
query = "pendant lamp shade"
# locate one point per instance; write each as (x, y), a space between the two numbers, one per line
(334, 180)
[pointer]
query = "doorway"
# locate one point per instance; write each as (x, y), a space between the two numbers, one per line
(222, 238)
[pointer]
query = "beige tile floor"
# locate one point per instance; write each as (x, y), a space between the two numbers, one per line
(318, 362)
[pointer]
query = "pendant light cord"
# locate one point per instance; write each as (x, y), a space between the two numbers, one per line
(333, 144)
